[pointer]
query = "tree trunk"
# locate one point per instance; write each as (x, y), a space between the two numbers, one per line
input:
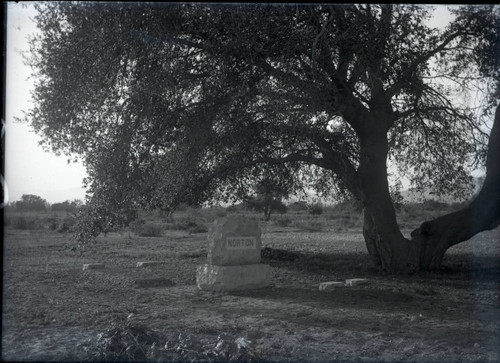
(267, 213)
(372, 238)
(386, 244)
(483, 213)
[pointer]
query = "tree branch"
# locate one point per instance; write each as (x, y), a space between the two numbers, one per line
(396, 87)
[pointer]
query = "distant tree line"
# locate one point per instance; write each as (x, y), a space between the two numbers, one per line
(35, 203)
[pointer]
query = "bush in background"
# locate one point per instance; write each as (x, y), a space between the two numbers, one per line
(67, 206)
(147, 229)
(52, 224)
(316, 209)
(67, 225)
(298, 206)
(198, 228)
(282, 221)
(432, 205)
(24, 223)
(211, 214)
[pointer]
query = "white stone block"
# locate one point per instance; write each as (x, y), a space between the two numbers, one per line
(356, 282)
(149, 263)
(330, 285)
(230, 278)
(93, 266)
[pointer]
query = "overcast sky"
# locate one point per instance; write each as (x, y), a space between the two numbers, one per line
(28, 168)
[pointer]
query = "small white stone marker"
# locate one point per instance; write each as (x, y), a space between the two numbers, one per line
(148, 263)
(355, 282)
(330, 285)
(93, 266)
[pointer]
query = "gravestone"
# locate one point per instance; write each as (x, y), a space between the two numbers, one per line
(93, 266)
(233, 261)
(148, 263)
(330, 285)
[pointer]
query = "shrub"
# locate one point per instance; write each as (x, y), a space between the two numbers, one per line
(185, 223)
(212, 214)
(52, 224)
(198, 228)
(282, 221)
(147, 229)
(220, 212)
(351, 205)
(333, 216)
(240, 207)
(188, 224)
(67, 225)
(20, 223)
(25, 223)
(316, 209)
(298, 206)
(431, 204)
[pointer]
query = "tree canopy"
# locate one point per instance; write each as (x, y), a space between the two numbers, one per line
(172, 103)
(31, 202)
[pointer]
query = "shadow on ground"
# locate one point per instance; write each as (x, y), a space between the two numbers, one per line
(461, 266)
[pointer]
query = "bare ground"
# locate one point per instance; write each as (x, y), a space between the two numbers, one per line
(55, 311)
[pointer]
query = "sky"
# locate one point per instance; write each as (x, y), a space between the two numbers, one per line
(28, 168)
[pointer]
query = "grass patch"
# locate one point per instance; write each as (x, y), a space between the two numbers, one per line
(310, 225)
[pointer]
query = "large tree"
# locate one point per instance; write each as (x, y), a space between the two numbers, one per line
(191, 102)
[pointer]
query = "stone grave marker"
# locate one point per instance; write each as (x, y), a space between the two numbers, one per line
(233, 261)
(356, 282)
(148, 263)
(330, 285)
(93, 266)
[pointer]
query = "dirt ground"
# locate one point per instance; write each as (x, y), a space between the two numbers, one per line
(55, 311)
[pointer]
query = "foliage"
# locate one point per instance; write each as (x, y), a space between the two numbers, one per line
(68, 224)
(266, 205)
(197, 102)
(19, 223)
(193, 225)
(198, 228)
(30, 202)
(66, 206)
(52, 224)
(432, 204)
(316, 209)
(102, 215)
(236, 208)
(148, 229)
(283, 221)
(350, 204)
(132, 343)
(215, 212)
(298, 206)
(269, 195)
